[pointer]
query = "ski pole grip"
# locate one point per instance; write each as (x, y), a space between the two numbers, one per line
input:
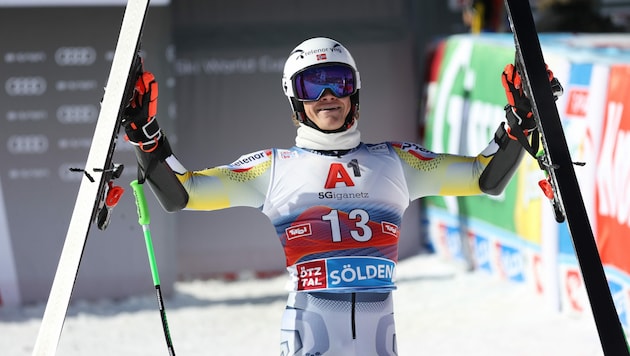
(144, 218)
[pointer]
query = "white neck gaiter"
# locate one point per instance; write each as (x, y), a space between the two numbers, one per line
(308, 137)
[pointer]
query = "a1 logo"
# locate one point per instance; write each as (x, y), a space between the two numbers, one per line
(337, 174)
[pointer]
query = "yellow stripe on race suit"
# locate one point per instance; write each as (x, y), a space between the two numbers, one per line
(420, 164)
(455, 175)
(222, 187)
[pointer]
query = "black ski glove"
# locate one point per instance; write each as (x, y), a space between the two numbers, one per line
(139, 121)
(519, 108)
(518, 104)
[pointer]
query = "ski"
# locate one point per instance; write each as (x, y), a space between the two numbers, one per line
(562, 186)
(97, 194)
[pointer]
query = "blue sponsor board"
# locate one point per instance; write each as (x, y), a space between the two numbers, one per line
(619, 284)
(496, 251)
(511, 262)
(453, 241)
(580, 74)
(483, 253)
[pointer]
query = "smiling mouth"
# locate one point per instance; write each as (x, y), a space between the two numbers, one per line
(329, 108)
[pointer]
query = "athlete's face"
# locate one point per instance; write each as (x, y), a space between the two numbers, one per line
(329, 112)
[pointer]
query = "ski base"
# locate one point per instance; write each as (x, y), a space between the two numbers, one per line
(95, 180)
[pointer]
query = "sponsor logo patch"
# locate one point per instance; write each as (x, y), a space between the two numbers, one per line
(389, 228)
(297, 231)
(312, 275)
(251, 160)
(346, 272)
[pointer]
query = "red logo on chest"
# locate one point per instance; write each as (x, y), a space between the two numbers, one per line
(338, 174)
(296, 231)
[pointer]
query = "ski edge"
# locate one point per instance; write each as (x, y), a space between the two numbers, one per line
(105, 135)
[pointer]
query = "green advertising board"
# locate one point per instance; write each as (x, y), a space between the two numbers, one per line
(464, 110)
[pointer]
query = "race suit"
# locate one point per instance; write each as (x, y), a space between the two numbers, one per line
(338, 217)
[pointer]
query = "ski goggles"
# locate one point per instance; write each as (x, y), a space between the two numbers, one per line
(310, 84)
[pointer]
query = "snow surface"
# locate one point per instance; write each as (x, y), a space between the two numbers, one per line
(440, 308)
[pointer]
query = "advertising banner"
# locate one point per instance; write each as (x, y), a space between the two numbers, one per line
(49, 104)
(581, 111)
(514, 236)
(466, 105)
(613, 174)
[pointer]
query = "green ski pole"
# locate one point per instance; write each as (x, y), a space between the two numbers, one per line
(144, 219)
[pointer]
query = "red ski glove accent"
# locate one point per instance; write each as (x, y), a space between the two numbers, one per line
(139, 120)
(145, 95)
(518, 101)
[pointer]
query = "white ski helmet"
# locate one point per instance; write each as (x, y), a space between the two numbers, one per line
(314, 53)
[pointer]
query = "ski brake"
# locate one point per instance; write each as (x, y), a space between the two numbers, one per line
(548, 184)
(109, 195)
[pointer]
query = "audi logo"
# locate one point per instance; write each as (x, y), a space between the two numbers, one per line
(75, 56)
(25, 86)
(77, 114)
(27, 144)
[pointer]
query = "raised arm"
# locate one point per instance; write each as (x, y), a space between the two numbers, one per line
(156, 162)
(490, 171)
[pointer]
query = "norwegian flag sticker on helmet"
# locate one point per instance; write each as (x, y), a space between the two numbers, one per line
(321, 57)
